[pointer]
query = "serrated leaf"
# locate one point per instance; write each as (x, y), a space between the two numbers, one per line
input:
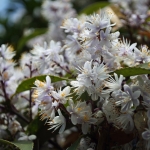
(74, 146)
(24, 145)
(94, 7)
(6, 145)
(28, 83)
(132, 71)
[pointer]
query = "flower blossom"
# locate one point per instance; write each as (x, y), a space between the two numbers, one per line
(58, 122)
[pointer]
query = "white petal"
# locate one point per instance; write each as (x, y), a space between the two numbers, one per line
(24, 138)
(56, 120)
(74, 119)
(146, 135)
(85, 127)
(62, 128)
(136, 94)
(32, 137)
(48, 81)
(75, 83)
(66, 90)
(55, 94)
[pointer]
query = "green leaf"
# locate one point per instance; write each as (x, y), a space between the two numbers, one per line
(17, 145)
(137, 70)
(35, 125)
(94, 7)
(29, 83)
(25, 39)
(24, 145)
(74, 146)
(6, 145)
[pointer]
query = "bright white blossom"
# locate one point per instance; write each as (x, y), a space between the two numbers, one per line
(62, 94)
(58, 122)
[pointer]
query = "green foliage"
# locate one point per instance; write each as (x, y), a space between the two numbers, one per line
(6, 145)
(133, 71)
(94, 7)
(35, 125)
(22, 42)
(24, 145)
(13, 30)
(29, 83)
(17, 145)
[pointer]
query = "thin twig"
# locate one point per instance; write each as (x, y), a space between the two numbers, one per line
(14, 111)
(9, 106)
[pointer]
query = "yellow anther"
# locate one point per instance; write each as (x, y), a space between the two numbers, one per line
(41, 84)
(79, 109)
(63, 94)
(5, 75)
(85, 118)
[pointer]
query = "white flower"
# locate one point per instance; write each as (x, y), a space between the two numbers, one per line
(47, 109)
(42, 88)
(127, 99)
(97, 90)
(6, 69)
(101, 71)
(110, 110)
(86, 71)
(90, 39)
(72, 25)
(76, 110)
(62, 94)
(114, 84)
(86, 144)
(106, 38)
(143, 55)
(98, 21)
(46, 56)
(125, 49)
(54, 11)
(99, 115)
(82, 57)
(24, 137)
(87, 120)
(6, 52)
(72, 45)
(14, 127)
(125, 122)
(80, 86)
(58, 122)
(42, 95)
(81, 114)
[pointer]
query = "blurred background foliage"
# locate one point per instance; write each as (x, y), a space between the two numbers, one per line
(19, 16)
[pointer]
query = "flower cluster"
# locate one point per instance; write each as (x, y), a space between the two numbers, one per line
(136, 11)
(103, 85)
(95, 52)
